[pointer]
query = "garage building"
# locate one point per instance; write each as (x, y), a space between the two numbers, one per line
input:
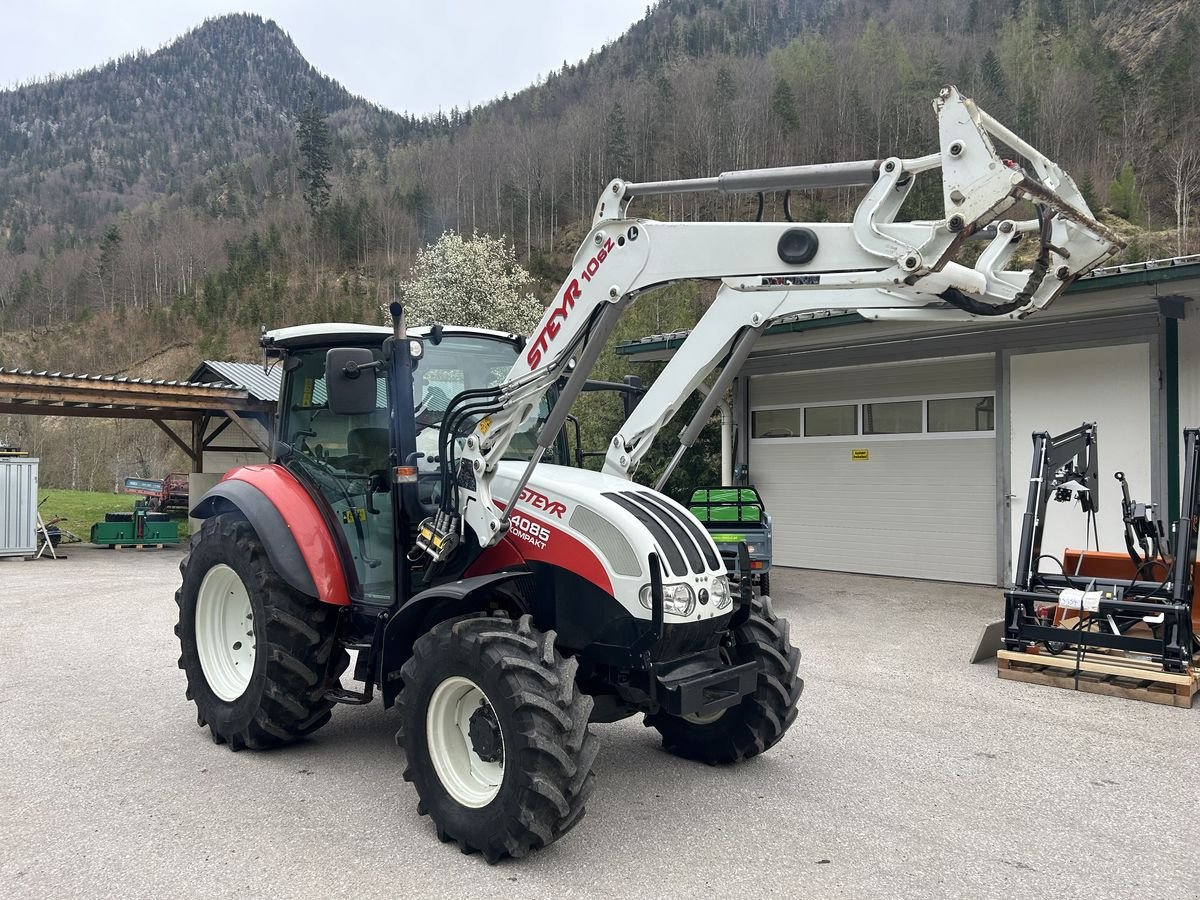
(904, 449)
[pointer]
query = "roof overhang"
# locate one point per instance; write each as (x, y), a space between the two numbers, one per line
(25, 392)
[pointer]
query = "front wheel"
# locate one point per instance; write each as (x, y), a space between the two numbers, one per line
(496, 734)
(761, 719)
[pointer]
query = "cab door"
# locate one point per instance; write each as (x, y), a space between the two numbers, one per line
(345, 458)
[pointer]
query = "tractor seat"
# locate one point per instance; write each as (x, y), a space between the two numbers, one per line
(371, 443)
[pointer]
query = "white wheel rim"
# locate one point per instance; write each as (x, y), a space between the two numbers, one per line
(225, 632)
(468, 778)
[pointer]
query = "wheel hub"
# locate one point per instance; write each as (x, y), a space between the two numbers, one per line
(484, 732)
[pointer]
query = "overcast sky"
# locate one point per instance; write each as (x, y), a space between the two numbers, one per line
(408, 55)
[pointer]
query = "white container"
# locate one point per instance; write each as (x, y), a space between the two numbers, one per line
(18, 506)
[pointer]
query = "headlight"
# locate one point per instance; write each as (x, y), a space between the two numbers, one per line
(678, 599)
(720, 593)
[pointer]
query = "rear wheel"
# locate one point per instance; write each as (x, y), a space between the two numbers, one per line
(496, 734)
(256, 652)
(760, 720)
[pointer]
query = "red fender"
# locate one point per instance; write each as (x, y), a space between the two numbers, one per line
(306, 524)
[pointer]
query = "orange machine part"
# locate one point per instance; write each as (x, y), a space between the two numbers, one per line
(1103, 564)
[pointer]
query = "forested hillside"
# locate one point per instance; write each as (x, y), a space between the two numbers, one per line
(160, 200)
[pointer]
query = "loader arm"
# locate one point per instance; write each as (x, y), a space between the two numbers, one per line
(873, 264)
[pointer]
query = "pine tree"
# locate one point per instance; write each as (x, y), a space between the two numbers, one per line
(313, 135)
(992, 73)
(1123, 196)
(618, 160)
(106, 267)
(783, 106)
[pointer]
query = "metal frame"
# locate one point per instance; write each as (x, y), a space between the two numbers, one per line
(1110, 600)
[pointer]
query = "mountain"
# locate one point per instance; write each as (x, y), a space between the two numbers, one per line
(162, 193)
(149, 126)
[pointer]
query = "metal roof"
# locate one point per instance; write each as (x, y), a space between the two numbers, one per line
(1152, 271)
(116, 379)
(249, 376)
(44, 393)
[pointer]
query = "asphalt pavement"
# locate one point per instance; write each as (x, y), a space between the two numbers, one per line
(909, 773)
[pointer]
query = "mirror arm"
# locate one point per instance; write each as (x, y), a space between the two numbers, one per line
(353, 369)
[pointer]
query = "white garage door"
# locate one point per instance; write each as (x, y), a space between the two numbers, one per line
(887, 469)
(1057, 391)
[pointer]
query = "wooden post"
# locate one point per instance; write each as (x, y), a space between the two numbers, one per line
(198, 428)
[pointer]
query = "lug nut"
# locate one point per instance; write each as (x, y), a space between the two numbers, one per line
(956, 223)
(956, 148)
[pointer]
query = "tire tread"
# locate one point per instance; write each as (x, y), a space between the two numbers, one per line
(556, 748)
(300, 646)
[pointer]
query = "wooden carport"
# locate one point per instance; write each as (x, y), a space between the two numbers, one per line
(208, 409)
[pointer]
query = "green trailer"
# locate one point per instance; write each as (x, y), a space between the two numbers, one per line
(736, 515)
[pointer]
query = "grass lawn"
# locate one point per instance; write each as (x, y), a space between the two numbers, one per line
(83, 508)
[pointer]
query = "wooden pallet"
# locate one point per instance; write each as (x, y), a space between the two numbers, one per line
(138, 546)
(1112, 676)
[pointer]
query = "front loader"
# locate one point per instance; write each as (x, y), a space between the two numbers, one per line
(417, 512)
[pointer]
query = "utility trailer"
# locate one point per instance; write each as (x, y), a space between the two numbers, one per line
(736, 516)
(168, 494)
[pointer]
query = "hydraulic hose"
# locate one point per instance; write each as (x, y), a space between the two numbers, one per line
(1037, 275)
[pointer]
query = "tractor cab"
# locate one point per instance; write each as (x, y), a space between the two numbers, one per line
(346, 459)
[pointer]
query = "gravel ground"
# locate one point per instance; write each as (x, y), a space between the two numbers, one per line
(908, 772)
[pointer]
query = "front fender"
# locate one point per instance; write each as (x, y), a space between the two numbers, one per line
(414, 618)
(291, 528)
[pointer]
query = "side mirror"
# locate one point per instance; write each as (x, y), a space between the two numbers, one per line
(350, 374)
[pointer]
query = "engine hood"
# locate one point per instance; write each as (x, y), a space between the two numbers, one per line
(648, 520)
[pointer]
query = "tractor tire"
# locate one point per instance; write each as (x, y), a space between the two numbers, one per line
(496, 734)
(760, 720)
(256, 652)
(764, 585)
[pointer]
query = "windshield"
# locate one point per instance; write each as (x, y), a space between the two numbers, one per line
(462, 363)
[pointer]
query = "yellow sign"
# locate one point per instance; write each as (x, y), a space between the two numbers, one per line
(861, 453)
(485, 425)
